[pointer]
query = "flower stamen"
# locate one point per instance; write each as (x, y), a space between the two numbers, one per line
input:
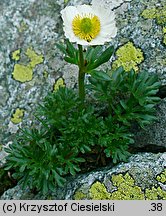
(86, 27)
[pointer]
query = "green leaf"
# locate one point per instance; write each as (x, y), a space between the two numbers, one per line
(107, 152)
(62, 48)
(7, 150)
(123, 104)
(42, 121)
(155, 85)
(89, 52)
(117, 72)
(104, 57)
(118, 77)
(100, 75)
(8, 166)
(70, 49)
(45, 186)
(22, 168)
(81, 160)
(96, 52)
(60, 170)
(71, 170)
(25, 180)
(52, 186)
(60, 181)
(71, 54)
(19, 160)
(70, 60)
(152, 92)
(93, 53)
(85, 148)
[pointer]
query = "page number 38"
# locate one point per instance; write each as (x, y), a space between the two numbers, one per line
(156, 207)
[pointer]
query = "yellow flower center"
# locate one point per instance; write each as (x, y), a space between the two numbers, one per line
(86, 27)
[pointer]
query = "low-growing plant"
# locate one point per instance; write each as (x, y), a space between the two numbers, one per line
(43, 157)
(129, 96)
(72, 125)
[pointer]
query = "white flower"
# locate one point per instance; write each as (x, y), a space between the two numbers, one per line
(89, 25)
(111, 4)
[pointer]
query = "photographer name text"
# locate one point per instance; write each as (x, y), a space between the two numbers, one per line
(74, 207)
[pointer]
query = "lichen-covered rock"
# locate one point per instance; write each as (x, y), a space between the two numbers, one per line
(142, 178)
(16, 55)
(137, 180)
(158, 13)
(164, 37)
(31, 66)
(59, 83)
(27, 32)
(124, 189)
(129, 57)
(30, 63)
(17, 116)
(24, 73)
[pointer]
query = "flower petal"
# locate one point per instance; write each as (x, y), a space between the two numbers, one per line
(85, 9)
(68, 14)
(106, 17)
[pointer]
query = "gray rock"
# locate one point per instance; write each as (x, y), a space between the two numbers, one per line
(37, 25)
(155, 134)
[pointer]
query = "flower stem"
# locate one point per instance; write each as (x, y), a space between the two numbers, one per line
(81, 76)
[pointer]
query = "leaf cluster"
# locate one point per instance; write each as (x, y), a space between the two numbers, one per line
(129, 96)
(93, 57)
(43, 156)
(70, 52)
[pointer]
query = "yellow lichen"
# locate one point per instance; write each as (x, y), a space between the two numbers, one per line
(22, 73)
(23, 26)
(162, 177)
(156, 13)
(160, 15)
(99, 192)
(164, 39)
(129, 57)
(155, 194)
(164, 30)
(17, 116)
(35, 58)
(16, 55)
(149, 13)
(45, 74)
(79, 195)
(125, 189)
(59, 83)
(1, 147)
